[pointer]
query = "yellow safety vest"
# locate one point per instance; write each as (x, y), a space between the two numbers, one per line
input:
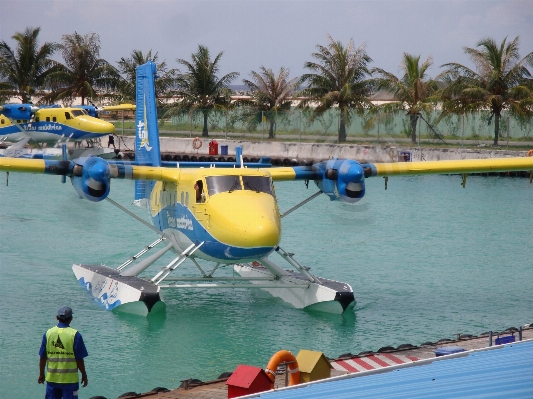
(61, 363)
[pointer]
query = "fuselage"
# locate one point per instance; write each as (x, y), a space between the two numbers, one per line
(49, 125)
(236, 217)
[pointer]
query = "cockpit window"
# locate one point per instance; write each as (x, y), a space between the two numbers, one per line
(76, 112)
(260, 184)
(220, 184)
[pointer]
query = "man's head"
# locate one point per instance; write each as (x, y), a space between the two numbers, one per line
(64, 314)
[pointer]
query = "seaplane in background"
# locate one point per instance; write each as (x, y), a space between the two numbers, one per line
(51, 124)
(22, 150)
(209, 214)
(48, 127)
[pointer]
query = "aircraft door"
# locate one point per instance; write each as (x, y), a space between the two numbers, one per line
(199, 207)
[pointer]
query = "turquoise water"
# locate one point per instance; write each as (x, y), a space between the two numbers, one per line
(426, 259)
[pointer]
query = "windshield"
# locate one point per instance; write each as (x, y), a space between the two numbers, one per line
(76, 112)
(220, 184)
(260, 184)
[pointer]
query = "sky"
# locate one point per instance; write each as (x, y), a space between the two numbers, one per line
(276, 34)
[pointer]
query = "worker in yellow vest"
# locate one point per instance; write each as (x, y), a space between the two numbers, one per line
(62, 351)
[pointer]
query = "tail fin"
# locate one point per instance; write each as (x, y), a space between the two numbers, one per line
(147, 133)
(147, 150)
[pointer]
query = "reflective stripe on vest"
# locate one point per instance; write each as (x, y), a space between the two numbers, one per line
(61, 363)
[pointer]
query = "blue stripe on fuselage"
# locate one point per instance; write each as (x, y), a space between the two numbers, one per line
(55, 128)
(180, 218)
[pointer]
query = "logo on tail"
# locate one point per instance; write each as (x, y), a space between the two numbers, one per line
(143, 135)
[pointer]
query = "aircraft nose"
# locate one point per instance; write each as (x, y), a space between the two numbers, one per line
(106, 127)
(245, 219)
(95, 125)
(261, 230)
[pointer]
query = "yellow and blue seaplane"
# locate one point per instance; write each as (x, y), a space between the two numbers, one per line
(209, 214)
(38, 132)
(51, 124)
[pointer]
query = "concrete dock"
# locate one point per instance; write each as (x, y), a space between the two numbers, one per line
(379, 152)
(217, 389)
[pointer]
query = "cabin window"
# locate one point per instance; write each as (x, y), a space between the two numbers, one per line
(182, 198)
(47, 119)
(221, 184)
(54, 119)
(67, 115)
(2, 121)
(260, 184)
(36, 119)
(187, 199)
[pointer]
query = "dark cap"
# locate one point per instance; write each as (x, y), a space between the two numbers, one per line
(64, 313)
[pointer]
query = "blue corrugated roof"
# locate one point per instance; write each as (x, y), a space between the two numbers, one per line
(497, 372)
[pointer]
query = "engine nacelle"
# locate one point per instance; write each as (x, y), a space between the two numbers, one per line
(91, 178)
(342, 180)
(18, 111)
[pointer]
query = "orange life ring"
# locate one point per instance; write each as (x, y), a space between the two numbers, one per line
(196, 143)
(283, 356)
(530, 153)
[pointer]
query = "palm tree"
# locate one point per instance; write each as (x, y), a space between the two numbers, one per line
(128, 68)
(271, 93)
(83, 72)
(24, 70)
(339, 80)
(199, 87)
(501, 81)
(413, 90)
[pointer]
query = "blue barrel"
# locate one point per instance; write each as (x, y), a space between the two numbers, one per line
(223, 150)
(404, 156)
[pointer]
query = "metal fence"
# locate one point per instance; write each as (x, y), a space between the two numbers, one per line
(474, 126)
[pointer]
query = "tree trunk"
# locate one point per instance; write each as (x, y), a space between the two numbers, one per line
(205, 133)
(413, 118)
(24, 96)
(342, 127)
(496, 128)
(271, 129)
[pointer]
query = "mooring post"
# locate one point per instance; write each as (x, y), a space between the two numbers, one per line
(490, 338)
(520, 333)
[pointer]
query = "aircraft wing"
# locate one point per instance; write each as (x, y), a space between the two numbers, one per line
(90, 176)
(121, 107)
(464, 166)
(344, 179)
(340, 179)
(68, 168)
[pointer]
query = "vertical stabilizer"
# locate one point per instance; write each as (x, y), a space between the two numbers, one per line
(147, 133)
(147, 150)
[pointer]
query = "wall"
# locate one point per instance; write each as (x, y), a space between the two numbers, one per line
(310, 151)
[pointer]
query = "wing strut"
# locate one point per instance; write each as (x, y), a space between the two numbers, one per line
(159, 277)
(289, 258)
(305, 201)
(139, 219)
(137, 256)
